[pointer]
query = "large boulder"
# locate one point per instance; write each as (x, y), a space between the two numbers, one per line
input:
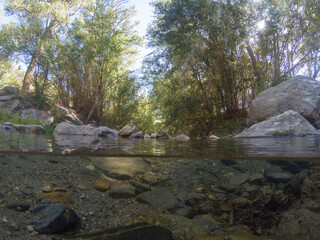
(127, 130)
(286, 124)
(44, 116)
(65, 128)
(301, 94)
(11, 90)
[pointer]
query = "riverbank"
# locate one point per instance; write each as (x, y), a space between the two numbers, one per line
(192, 198)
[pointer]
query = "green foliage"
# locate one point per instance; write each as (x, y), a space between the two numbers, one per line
(9, 75)
(231, 127)
(145, 117)
(211, 60)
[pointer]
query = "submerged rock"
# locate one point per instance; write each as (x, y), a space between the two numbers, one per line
(122, 190)
(301, 94)
(52, 218)
(159, 198)
(278, 174)
(286, 124)
(122, 168)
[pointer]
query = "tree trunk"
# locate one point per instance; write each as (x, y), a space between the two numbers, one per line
(31, 68)
(256, 71)
(35, 57)
(276, 62)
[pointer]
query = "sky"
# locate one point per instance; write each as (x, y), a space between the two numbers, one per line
(144, 17)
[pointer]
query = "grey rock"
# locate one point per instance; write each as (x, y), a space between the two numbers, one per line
(52, 218)
(73, 119)
(208, 223)
(185, 212)
(44, 116)
(159, 198)
(17, 205)
(239, 179)
(122, 190)
(142, 187)
(146, 136)
(108, 133)
(3, 92)
(300, 222)
(12, 90)
(162, 135)
(24, 129)
(6, 98)
(256, 177)
(11, 106)
(136, 135)
(277, 174)
(121, 168)
(65, 128)
(286, 124)
(127, 130)
(182, 137)
(301, 94)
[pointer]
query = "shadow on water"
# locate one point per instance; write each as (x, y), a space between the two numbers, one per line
(295, 148)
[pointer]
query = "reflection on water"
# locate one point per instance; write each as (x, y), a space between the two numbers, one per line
(285, 147)
(25, 143)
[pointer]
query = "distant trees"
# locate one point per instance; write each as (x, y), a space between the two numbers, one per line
(91, 62)
(211, 60)
(36, 21)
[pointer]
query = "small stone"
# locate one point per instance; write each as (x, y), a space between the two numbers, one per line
(81, 187)
(213, 137)
(240, 202)
(59, 197)
(90, 167)
(226, 187)
(224, 217)
(122, 190)
(47, 189)
(182, 137)
(30, 228)
(239, 179)
(257, 177)
(102, 186)
(15, 226)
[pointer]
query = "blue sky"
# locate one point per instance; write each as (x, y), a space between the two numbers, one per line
(144, 16)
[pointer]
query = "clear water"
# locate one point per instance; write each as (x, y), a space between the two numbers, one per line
(286, 148)
(185, 167)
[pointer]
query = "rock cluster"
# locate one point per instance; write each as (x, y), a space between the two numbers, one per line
(290, 108)
(179, 198)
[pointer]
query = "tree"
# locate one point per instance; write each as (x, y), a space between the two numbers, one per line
(200, 43)
(36, 21)
(91, 60)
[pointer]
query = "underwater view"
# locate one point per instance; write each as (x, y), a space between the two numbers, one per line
(112, 188)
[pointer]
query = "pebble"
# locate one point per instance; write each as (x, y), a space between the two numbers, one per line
(47, 189)
(239, 179)
(226, 187)
(101, 185)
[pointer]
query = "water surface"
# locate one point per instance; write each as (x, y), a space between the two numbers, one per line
(291, 148)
